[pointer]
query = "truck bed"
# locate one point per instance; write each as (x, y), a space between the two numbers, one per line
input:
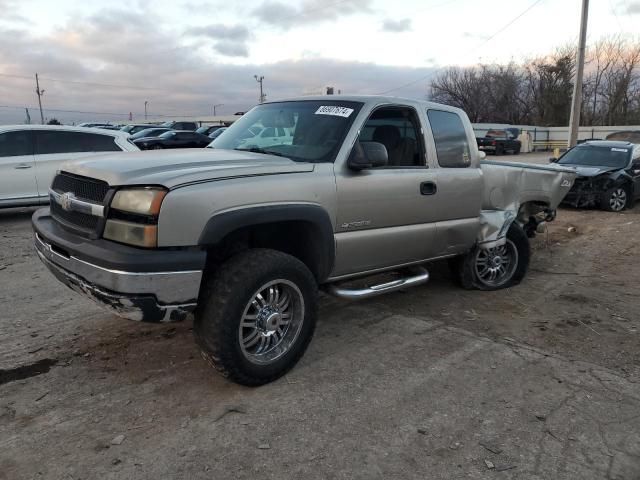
(511, 184)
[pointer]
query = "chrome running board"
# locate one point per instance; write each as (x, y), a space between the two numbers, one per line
(420, 275)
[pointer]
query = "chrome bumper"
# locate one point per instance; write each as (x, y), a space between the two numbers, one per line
(146, 296)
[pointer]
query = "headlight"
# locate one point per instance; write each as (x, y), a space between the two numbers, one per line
(133, 216)
(145, 201)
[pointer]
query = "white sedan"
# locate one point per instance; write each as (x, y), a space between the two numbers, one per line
(30, 155)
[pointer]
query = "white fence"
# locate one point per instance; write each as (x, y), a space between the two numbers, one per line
(555, 133)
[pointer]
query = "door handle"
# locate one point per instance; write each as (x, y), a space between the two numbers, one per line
(428, 188)
(22, 166)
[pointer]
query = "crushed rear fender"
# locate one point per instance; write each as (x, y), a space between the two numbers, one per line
(516, 192)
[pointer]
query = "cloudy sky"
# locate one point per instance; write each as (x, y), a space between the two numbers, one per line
(107, 57)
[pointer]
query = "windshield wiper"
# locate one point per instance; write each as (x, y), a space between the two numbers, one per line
(260, 150)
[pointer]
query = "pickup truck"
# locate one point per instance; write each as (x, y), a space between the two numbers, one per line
(499, 142)
(367, 192)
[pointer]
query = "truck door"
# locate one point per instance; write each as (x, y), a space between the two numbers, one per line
(459, 179)
(386, 215)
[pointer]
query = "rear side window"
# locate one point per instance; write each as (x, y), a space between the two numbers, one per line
(13, 144)
(48, 142)
(450, 138)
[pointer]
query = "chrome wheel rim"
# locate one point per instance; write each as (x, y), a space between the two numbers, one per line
(618, 199)
(495, 266)
(271, 322)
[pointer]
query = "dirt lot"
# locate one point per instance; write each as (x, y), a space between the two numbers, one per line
(537, 382)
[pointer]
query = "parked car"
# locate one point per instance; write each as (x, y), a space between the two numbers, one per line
(149, 132)
(608, 174)
(173, 139)
(499, 142)
(192, 126)
(247, 237)
(632, 136)
(94, 125)
(269, 136)
(133, 128)
(31, 154)
(217, 133)
(209, 129)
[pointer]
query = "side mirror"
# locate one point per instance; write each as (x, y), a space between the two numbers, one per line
(368, 155)
(553, 160)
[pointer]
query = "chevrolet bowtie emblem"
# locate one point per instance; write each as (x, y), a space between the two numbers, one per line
(66, 199)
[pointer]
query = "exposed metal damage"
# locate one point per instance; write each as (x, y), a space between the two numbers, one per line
(510, 190)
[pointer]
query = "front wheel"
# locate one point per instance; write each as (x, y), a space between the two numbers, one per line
(615, 199)
(495, 268)
(256, 316)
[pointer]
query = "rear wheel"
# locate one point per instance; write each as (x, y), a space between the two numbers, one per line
(516, 151)
(499, 149)
(495, 268)
(256, 316)
(615, 199)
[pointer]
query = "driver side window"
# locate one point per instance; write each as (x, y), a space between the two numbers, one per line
(398, 129)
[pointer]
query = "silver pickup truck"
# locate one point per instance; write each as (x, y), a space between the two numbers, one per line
(355, 196)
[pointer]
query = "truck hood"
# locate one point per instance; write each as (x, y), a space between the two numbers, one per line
(172, 168)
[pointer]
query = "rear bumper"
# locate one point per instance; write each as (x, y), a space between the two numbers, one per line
(143, 289)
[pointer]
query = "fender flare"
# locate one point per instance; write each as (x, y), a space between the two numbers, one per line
(222, 224)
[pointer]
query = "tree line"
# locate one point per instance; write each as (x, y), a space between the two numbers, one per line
(538, 91)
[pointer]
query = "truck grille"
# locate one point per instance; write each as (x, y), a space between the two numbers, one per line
(88, 189)
(82, 187)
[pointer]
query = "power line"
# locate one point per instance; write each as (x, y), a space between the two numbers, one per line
(613, 10)
(487, 40)
(77, 82)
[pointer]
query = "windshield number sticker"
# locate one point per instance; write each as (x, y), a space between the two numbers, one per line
(335, 111)
(619, 150)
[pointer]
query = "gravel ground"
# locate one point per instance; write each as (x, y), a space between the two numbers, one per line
(536, 382)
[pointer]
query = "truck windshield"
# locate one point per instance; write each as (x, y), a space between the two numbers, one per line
(304, 131)
(593, 156)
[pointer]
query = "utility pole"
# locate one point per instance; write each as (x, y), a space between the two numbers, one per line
(214, 107)
(259, 80)
(576, 104)
(145, 109)
(39, 93)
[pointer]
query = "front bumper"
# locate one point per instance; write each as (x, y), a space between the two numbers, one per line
(131, 282)
(584, 193)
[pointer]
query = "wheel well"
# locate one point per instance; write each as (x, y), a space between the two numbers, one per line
(530, 214)
(301, 239)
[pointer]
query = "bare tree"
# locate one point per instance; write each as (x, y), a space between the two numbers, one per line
(539, 90)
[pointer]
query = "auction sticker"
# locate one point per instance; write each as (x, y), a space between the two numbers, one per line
(335, 111)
